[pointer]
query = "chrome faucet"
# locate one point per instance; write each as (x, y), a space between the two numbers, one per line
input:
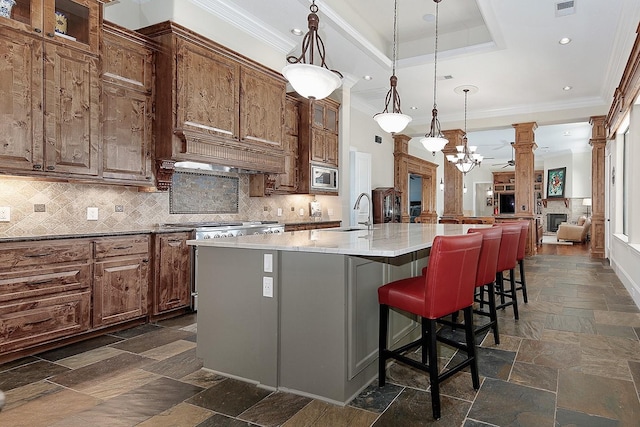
(368, 223)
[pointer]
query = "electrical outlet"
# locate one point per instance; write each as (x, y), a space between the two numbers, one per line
(5, 214)
(119, 208)
(301, 212)
(267, 287)
(92, 214)
(39, 207)
(279, 211)
(330, 212)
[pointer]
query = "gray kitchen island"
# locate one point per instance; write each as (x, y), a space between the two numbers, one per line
(298, 311)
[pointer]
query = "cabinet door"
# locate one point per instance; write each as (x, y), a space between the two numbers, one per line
(173, 277)
(262, 104)
(77, 24)
(288, 181)
(120, 290)
(21, 102)
(331, 148)
(331, 119)
(26, 15)
(126, 134)
(317, 152)
(72, 116)
(207, 91)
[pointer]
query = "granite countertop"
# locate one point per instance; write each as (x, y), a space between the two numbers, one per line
(95, 234)
(310, 221)
(388, 240)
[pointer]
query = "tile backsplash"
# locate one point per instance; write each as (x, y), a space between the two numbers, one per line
(122, 208)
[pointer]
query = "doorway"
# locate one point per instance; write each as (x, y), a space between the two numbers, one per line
(483, 199)
(415, 196)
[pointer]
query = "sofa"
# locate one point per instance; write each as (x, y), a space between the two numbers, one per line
(575, 232)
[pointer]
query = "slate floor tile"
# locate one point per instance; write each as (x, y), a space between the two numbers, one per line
(230, 397)
(27, 374)
(77, 348)
(377, 399)
(507, 404)
(275, 409)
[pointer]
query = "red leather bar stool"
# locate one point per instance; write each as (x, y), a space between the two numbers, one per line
(522, 246)
(446, 288)
(486, 276)
(507, 261)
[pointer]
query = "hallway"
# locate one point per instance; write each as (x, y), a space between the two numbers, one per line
(573, 358)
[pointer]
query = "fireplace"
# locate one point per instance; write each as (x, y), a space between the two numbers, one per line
(554, 220)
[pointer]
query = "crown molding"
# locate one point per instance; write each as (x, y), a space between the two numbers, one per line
(247, 23)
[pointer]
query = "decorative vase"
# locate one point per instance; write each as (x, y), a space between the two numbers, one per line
(5, 8)
(61, 23)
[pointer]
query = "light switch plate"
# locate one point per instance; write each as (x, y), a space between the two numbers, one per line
(267, 287)
(268, 263)
(92, 214)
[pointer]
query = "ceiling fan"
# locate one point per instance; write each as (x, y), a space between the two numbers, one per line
(511, 162)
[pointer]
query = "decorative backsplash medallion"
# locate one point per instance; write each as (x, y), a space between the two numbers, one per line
(202, 193)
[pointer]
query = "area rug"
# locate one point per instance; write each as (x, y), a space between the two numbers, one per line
(551, 239)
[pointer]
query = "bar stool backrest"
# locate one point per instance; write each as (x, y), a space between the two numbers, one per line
(488, 262)
(508, 255)
(522, 244)
(451, 274)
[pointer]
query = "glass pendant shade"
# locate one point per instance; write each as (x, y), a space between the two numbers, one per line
(392, 122)
(433, 144)
(311, 81)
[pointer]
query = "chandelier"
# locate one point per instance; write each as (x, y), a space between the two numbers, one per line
(393, 121)
(466, 158)
(434, 140)
(306, 78)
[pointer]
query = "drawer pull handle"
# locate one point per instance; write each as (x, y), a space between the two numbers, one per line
(40, 282)
(39, 321)
(119, 248)
(175, 241)
(38, 255)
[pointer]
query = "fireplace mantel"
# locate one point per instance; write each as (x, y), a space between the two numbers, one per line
(566, 201)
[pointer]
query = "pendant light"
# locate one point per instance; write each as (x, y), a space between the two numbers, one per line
(306, 78)
(393, 121)
(434, 140)
(466, 158)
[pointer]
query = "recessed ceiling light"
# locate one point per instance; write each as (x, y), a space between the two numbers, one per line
(413, 108)
(566, 133)
(367, 77)
(297, 31)
(564, 40)
(429, 17)
(567, 88)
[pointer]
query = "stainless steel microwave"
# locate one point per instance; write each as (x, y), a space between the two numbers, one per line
(324, 178)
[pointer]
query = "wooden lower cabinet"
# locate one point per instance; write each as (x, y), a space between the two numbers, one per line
(45, 292)
(121, 279)
(172, 272)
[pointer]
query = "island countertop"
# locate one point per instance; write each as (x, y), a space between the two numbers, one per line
(387, 240)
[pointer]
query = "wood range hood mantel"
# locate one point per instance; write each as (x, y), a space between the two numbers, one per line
(214, 105)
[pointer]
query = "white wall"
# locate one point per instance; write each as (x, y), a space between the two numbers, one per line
(561, 161)
(581, 174)
(363, 132)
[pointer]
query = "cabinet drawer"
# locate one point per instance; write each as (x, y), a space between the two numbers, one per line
(20, 285)
(18, 255)
(121, 246)
(30, 322)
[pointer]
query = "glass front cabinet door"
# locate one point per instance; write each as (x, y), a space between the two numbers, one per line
(386, 205)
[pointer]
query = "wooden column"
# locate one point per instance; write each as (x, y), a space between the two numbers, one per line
(598, 144)
(525, 167)
(453, 178)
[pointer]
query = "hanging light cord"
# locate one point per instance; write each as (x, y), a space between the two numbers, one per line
(395, 34)
(311, 39)
(435, 59)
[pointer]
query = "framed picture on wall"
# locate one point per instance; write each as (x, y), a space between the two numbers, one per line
(555, 182)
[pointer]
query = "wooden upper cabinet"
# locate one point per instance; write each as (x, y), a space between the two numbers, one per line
(207, 91)
(78, 26)
(127, 99)
(320, 133)
(214, 105)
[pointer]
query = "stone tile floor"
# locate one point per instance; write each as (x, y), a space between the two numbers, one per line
(572, 359)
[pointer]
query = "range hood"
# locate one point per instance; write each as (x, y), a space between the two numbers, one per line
(188, 165)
